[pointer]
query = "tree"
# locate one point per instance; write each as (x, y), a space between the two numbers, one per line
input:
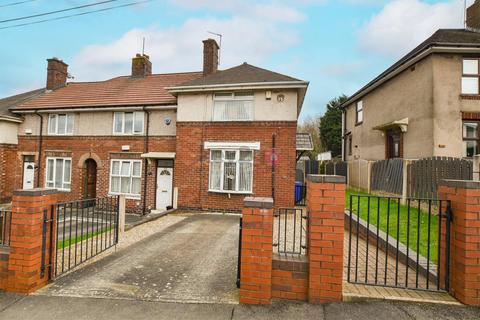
(311, 125)
(331, 126)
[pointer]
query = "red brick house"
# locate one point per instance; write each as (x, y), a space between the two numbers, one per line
(195, 140)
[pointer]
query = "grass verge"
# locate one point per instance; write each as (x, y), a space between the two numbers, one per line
(399, 219)
(68, 242)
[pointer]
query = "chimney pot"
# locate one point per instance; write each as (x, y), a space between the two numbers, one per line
(210, 56)
(57, 73)
(141, 66)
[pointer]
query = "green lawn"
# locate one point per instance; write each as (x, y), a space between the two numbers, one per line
(68, 242)
(379, 216)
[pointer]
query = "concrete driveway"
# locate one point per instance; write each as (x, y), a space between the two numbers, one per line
(192, 260)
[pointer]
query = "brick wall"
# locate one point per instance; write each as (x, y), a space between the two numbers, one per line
(4, 257)
(290, 277)
(8, 167)
(102, 149)
(192, 162)
(326, 208)
(464, 239)
(256, 253)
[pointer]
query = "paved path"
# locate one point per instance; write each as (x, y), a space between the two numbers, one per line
(192, 260)
(52, 308)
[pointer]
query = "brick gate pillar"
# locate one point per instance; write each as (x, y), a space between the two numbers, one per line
(326, 212)
(257, 251)
(24, 266)
(464, 239)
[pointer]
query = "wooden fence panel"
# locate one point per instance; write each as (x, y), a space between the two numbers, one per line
(387, 176)
(424, 175)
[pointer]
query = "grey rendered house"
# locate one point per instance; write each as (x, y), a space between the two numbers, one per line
(427, 104)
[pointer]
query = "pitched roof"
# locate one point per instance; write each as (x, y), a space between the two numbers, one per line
(13, 101)
(443, 37)
(244, 73)
(120, 91)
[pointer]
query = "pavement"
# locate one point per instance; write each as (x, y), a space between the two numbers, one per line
(193, 260)
(49, 307)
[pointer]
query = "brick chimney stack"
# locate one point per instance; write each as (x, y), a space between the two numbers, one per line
(473, 16)
(141, 66)
(210, 56)
(57, 72)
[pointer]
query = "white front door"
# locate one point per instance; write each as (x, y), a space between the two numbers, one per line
(164, 187)
(28, 175)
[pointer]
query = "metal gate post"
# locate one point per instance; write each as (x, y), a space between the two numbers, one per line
(239, 265)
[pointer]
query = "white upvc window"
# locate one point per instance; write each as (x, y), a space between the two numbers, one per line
(126, 177)
(359, 112)
(60, 124)
(128, 123)
(231, 171)
(471, 77)
(229, 106)
(58, 173)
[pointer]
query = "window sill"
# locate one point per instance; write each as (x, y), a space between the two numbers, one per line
(59, 190)
(127, 196)
(232, 192)
(470, 96)
(359, 123)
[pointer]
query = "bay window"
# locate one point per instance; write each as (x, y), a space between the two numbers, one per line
(128, 122)
(470, 77)
(231, 171)
(236, 106)
(60, 124)
(125, 177)
(58, 173)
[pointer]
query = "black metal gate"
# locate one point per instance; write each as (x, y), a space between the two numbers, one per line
(400, 244)
(83, 229)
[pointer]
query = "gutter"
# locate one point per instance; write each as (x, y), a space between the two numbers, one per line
(407, 64)
(40, 145)
(10, 119)
(251, 85)
(81, 109)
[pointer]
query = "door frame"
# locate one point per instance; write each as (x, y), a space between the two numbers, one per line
(156, 177)
(34, 162)
(85, 178)
(389, 134)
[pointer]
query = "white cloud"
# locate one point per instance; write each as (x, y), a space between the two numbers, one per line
(250, 38)
(403, 24)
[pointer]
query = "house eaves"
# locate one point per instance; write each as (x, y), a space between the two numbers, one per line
(470, 48)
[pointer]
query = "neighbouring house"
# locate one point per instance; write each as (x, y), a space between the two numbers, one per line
(201, 140)
(427, 104)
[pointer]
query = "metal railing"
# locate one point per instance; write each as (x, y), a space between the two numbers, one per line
(401, 245)
(290, 231)
(84, 229)
(5, 227)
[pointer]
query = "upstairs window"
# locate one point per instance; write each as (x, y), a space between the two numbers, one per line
(128, 123)
(236, 106)
(359, 112)
(231, 171)
(60, 124)
(470, 77)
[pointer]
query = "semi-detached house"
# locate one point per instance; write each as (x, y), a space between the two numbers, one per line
(194, 140)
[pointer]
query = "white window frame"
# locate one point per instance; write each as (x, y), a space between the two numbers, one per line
(134, 116)
(233, 96)
(131, 176)
(222, 171)
(54, 117)
(359, 110)
(470, 76)
(47, 181)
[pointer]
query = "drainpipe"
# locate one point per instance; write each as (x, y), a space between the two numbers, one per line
(274, 160)
(145, 149)
(40, 145)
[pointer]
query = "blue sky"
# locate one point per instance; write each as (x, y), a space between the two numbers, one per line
(336, 45)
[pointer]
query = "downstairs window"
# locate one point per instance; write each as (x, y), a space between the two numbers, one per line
(231, 171)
